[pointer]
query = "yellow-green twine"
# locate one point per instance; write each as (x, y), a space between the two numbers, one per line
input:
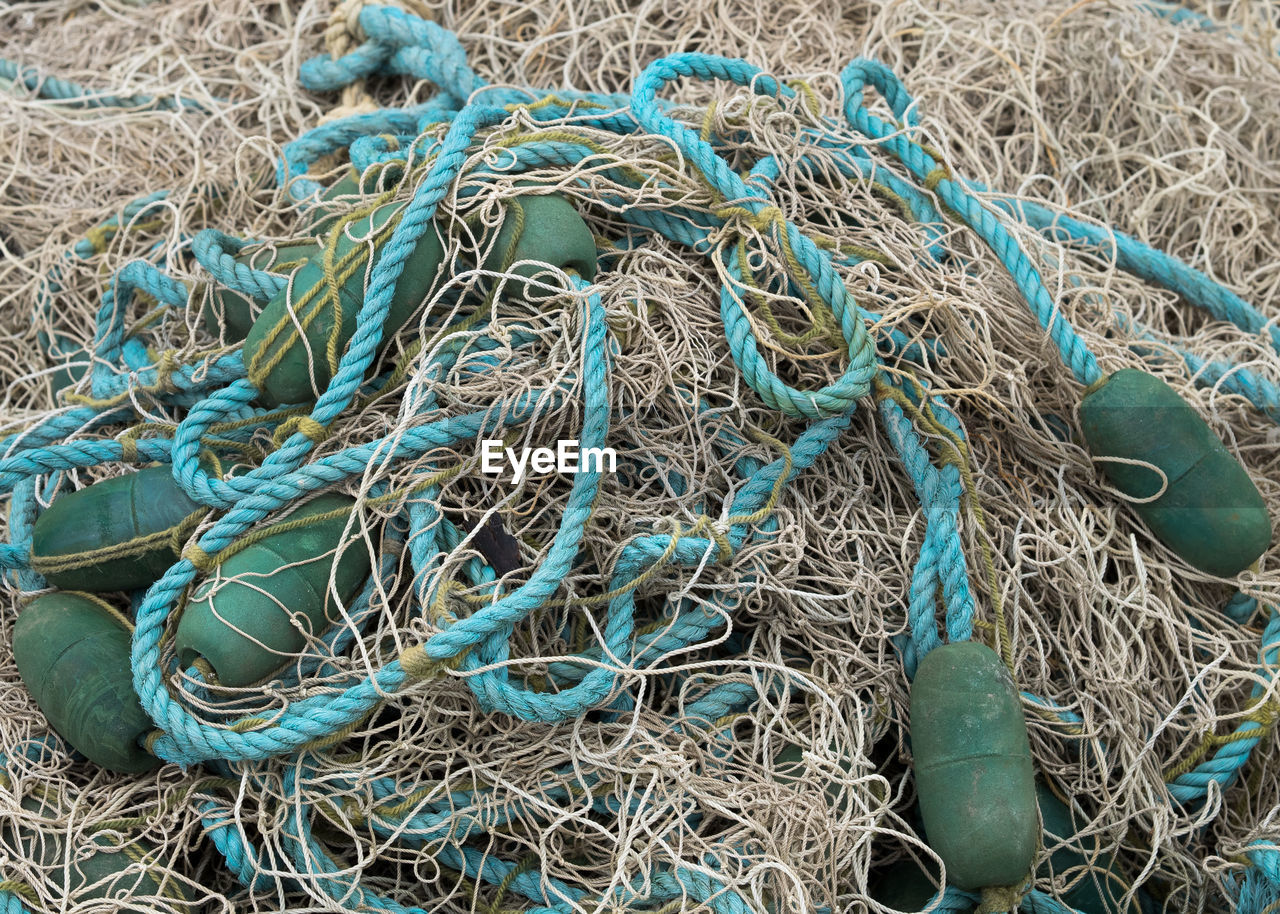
(313, 301)
(173, 536)
(18, 887)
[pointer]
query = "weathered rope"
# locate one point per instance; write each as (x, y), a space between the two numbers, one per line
(210, 400)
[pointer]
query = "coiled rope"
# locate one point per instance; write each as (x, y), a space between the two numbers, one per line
(214, 398)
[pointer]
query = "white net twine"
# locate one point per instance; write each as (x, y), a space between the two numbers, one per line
(1167, 131)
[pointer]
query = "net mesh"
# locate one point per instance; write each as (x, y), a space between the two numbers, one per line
(1168, 131)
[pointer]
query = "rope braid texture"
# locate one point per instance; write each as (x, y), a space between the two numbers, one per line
(476, 643)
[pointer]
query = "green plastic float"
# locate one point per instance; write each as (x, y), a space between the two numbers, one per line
(1098, 888)
(542, 229)
(107, 871)
(1097, 885)
(118, 534)
(229, 314)
(293, 347)
(73, 656)
(973, 767)
(1211, 514)
(266, 599)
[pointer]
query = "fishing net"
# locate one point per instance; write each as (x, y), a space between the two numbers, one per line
(706, 705)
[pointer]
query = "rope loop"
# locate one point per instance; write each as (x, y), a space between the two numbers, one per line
(197, 412)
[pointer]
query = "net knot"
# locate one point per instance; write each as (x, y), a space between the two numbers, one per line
(1000, 898)
(419, 667)
(761, 220)
(303, 424)
(717, 532)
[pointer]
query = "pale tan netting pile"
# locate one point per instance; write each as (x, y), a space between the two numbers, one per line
(1168, 131)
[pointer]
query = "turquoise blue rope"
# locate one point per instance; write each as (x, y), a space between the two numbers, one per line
(76, 95)
(401, 44)
(955, 195)
(11, 903)
(1147, 263)
(1227, 761)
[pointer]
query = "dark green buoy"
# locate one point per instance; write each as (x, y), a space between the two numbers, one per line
(973, 767)
(121, 533)
(257, 610)
(73, 657)
(230, 314)
(544, 229)
(288, 349)
(1211, 514)
(107, 871)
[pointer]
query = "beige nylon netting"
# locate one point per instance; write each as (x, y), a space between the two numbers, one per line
(1168, 132)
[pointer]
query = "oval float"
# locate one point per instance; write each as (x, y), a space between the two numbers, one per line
(73, 656)
(545, 228)
(288, 349)
(265, 599)
(90, 877)
(973, 766)
(116, 534)
(1211, 514)
(229, 314)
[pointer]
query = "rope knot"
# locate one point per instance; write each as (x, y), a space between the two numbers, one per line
(165, 368)
(341, 35)
(343, 30)
(717, 532)
(202, 561)
(767, 218)
(1000, 898)
(940, 171)
(936, 177)
(303, 424)
(761, 220)
(1265, 713)
(419, 667)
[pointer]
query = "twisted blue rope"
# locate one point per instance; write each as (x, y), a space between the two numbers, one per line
(1227, 761)
(76, 95)
(214, 390)
(958, 199)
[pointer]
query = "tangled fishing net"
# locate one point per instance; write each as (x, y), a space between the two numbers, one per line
(689, 689)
